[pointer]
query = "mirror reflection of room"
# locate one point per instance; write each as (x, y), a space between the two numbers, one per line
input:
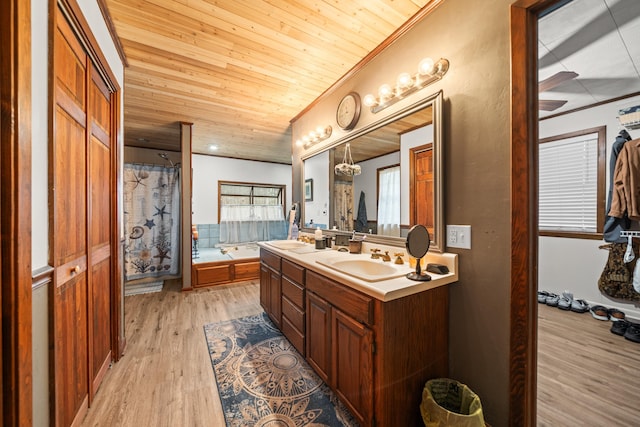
(393, 188)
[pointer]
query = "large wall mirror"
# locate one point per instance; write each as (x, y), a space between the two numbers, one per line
(397, 181)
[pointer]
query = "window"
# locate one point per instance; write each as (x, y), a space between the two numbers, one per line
(247, 194)
(571, 182)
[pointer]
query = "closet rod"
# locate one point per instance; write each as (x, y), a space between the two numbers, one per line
(630, 234)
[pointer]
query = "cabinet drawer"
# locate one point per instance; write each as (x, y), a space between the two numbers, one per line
(270, 259)
(355, 304)
(293, 271)
(294, 336)
(293, 291)
(293, 313)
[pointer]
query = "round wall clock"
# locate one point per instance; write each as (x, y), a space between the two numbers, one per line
(348, 111)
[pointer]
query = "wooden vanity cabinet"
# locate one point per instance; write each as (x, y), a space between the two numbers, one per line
(340, 342)
(271, 286)
(376, 355)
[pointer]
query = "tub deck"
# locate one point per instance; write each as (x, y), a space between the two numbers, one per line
(219, 266)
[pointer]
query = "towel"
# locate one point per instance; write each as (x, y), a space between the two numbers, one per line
(361, 220)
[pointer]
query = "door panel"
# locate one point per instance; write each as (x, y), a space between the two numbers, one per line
(68, 225)
(319, 335)
(70, 314)
(99, 205)
(423, 180)
(353, 364)
(82, 197)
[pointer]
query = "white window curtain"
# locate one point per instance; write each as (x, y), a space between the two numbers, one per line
(568, 184)
(251, 223)
(389, 202)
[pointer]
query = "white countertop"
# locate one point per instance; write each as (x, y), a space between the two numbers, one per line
(384, 290)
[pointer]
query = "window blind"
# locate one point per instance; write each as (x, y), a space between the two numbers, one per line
(568, 184)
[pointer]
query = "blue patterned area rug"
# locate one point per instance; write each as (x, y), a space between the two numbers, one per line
(263, 381)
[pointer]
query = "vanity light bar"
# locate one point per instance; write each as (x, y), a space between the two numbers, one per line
(315, 136)
(428, 72)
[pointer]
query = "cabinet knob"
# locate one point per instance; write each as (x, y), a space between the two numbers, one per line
(76, 269)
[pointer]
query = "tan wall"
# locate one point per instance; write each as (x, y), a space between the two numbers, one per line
(474, 36)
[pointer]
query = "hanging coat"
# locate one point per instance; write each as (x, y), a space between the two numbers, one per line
(613, 225)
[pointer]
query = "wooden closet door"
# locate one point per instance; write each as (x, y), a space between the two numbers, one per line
(99, 228)
(68, 227)
(424, 213)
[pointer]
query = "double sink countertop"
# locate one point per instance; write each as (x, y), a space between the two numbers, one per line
(383, 280)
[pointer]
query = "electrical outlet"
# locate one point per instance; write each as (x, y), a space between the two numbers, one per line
(459, 236)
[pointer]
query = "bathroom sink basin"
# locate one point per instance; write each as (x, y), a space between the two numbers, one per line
(286, 245)
(370, 270)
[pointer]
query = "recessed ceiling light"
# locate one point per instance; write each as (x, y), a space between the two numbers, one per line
(213, 147)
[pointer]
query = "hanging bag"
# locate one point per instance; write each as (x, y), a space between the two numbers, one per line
(617, 276)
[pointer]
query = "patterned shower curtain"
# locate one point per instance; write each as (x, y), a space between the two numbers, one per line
(152, 220)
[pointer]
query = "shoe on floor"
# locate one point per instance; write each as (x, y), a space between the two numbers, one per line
(615, 314)
(633, 332)
(564, 303)
(620, 327)
(552, 300)
(542, 296)
(579, 306)
(599, 312)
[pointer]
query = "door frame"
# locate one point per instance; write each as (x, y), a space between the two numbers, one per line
(15, 213)
(524, 215)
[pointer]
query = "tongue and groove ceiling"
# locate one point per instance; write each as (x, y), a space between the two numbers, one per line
(241, 70)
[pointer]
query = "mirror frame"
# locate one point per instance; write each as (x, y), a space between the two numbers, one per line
(436, 100)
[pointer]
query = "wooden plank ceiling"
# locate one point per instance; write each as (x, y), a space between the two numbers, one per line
(239, 70)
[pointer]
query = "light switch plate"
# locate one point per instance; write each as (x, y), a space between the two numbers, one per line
(459, 236)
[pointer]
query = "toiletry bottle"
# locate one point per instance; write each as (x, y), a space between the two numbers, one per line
(294, 231)
(318, 233)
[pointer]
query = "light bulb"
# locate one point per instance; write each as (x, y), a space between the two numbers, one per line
(425, 66)
(384, 91)
(299, 143)
(404, 80)
(320, 130)
(370, 100)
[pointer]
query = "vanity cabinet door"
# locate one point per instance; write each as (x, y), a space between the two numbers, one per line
(319, 336)
(270, 293)
(352, 364)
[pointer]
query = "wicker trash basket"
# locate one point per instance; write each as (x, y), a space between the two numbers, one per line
(446, 402)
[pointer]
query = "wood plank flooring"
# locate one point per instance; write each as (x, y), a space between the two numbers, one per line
(165, 377)
(587, 376)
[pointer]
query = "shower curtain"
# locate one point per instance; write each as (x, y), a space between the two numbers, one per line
(152, 221)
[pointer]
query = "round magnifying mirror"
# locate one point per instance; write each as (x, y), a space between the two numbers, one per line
(417, 244)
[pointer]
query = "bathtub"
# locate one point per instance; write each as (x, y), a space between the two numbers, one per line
(225, 264)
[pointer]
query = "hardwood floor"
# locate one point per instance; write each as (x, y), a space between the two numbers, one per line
(165, 377)
(587, 376)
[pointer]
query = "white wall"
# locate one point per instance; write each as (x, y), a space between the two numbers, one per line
(367, 181)
(208, 170)
(576, 264)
